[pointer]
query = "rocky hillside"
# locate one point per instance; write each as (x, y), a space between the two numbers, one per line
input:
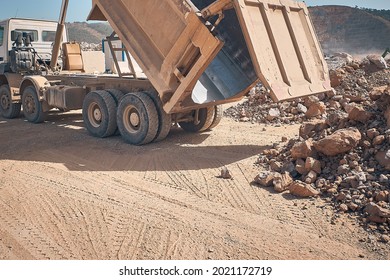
(339, 28)
(88, 32)
(351, 30)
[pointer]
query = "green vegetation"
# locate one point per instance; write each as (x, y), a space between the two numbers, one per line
(381, 13)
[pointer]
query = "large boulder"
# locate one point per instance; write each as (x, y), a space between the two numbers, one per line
(340, 142)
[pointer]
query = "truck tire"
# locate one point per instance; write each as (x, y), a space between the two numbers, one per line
(206, 118)
(164, 119)
(137, 118)
(8, 109)
(32, 107)
(117, 95)
(218, 115)
(99, 113)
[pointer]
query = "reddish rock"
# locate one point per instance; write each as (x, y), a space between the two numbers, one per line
(340, 142)
(300, 167)
(307, 130)
(377, 92)
(357, 113)
(378, 140)
(282, 182)
(302, 149)
(335, 78)
(265, 179)
(316, 109)
(313, 164)
(383, 159)
(301, 189)
(373, 209)
(382, 196)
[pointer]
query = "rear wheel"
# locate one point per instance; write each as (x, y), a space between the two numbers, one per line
(202, 122)
(137, 118)
(8, 109)
(218, 115)
(99, 113)
(164, 119)
(117, 95)
(32, 107)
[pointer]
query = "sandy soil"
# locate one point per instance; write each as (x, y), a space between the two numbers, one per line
(67, 195)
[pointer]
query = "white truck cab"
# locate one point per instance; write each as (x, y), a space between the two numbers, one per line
(43, 35)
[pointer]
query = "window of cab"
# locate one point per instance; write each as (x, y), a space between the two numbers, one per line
(1, 35)
(48, 36)
(33, 32)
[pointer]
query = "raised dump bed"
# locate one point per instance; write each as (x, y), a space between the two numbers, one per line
(204, 52)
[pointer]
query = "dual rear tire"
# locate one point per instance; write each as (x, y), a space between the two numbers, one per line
(139, 117)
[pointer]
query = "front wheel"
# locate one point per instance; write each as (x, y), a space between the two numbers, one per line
(32, 107)
(8, 109)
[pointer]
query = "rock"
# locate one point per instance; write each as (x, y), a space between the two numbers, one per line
(341, 197)
(383, 159)
(301, 108)
(300, 167)
(311, 177)
(225, 173)
(301, 189)
(353, 206)
(384, 239)
(372, 133)
(265, 179)
(373, 209)
(382, 196)
(387, 116)
(335, 78)
(383, 179)
(315, 110)
(340, 142)
(377, 92)
(302, 149)
(273, 114)
(313, 164)
(307, 130)
(357, 113)
(275, 165)
(378, 60)
(282, 181)
(378, 140)
(343, 207)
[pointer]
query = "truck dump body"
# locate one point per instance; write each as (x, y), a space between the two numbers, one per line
(189, 62)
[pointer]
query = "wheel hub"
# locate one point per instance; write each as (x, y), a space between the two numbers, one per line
(29, 105)
(97, 114)
(5, 102)
(134, 119)
(131, 119)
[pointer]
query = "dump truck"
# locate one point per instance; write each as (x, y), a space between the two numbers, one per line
(196, 55)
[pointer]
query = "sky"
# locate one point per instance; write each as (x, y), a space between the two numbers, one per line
(79, 9)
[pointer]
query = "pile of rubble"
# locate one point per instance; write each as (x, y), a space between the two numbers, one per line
(259, 108)
(343, 152)
(90, 47)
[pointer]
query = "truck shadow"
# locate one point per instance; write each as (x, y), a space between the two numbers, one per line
(64, 140)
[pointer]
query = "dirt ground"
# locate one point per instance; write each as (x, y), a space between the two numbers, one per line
(67, 195)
